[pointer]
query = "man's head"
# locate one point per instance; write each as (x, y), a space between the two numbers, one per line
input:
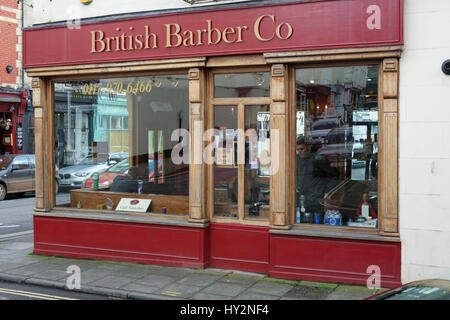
(133, 172)
(302, 146)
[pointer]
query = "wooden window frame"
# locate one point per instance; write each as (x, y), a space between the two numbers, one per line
(388, 146)
(44, 104)
(240, 103)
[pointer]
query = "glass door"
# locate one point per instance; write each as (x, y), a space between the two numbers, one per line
(242, 161)
(240, 121)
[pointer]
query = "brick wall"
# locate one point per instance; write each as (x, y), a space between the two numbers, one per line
(10, 43)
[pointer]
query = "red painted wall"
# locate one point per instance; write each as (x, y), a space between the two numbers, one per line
(334, 260)
(139, 243)
(226, 246)
(239, 247)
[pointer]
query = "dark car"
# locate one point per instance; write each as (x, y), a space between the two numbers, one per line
(432, 289)
(17, 174)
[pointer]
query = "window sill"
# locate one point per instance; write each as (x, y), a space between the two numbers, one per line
(148, 218)
(337, 234)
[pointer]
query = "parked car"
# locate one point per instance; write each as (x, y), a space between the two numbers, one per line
(431, 289)
(74, 176)
(17, 174)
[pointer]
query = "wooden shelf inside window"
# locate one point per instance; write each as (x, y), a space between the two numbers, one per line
(93, 199)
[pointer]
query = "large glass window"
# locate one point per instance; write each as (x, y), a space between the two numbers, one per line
(336, 143)
(115, 140)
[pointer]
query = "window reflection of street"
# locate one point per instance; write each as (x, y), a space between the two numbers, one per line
(337, 114)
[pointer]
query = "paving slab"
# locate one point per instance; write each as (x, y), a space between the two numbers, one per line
(111, 267)
(176, 272)
(302, 292)
(226, 289)
(17, 245)
(352, 290)
(134, 272)
(208, 296)
(240, 279)
(91, 275)
(179, 290)
(200, 279)
(156, 280)
(112, 281)
(323, 285)
(340, 296)
(248, 295)
(270, 287)
(30, 269)
(52, 275)
(138, 287)
(5, 266)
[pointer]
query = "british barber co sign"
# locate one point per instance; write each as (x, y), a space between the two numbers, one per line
(177, 36)
(283, 27)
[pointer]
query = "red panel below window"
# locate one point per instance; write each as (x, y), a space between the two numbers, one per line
(227, 246)
(239, 247)
(334, 260)
(142, 243)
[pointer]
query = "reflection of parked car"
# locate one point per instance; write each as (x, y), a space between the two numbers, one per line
(337, 144)
(17, 174)
(74, 176)
(115, 157)
(431, 289)
(106, 178)
(321, 128)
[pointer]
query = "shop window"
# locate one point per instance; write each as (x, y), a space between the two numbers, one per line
(117, 145)
(241, 85)
(336, 143)
(242, 146)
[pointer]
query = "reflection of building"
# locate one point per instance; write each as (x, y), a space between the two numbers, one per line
(74, 127)
(111, 122)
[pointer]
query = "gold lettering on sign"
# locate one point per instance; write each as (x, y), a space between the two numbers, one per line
(257, 27)
(265, 28)
(96, 40)
(149, 35)
(176, 36)
(277, 32)
(123, 41)
(210, 33)
(170, 35)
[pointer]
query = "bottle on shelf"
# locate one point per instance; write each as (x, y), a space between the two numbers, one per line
(298, 218)
(302, 209)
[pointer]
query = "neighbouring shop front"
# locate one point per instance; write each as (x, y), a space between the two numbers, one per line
(262, 139)
(13, 112)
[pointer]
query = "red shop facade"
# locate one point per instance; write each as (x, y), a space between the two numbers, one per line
(12, 109)
(291, 119)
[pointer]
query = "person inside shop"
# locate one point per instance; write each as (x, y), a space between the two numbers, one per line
(366, 209)
(127, 183)
(314, 176)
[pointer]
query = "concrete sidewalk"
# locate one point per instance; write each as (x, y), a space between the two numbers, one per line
(139, 281)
